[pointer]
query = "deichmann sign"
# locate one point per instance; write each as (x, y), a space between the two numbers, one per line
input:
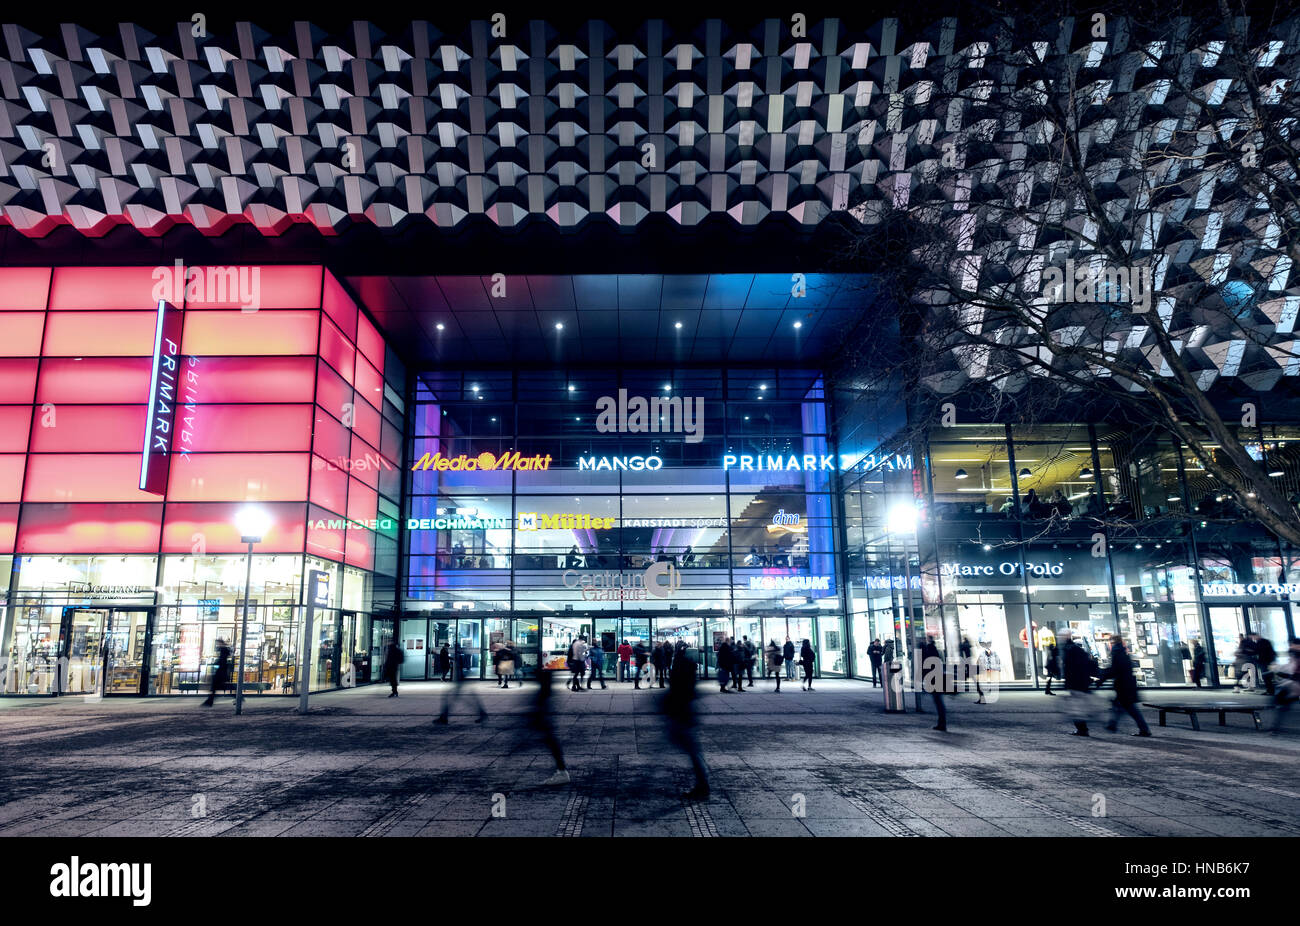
(484, 461)
(532, 521)
(372, 524)
(659, 580)
(1237, 589)
(457, 523)
(159, 421)
(790, 583)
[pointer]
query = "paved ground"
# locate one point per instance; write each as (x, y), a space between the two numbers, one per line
(365, 764)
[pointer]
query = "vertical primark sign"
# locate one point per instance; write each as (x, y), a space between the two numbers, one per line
(164, 382)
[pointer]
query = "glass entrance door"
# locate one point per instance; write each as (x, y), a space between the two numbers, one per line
(125, 651)
(1227, 627)
(82, 650)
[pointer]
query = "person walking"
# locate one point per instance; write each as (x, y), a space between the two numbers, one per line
(874, 653)
(1265, 656)
(641, 655)
(1198, 663)
(540, 721)
(393, 659)
(1288, 686)
(459, 690)
(1120, 672)
(787, 654)
(664, 655)
(725, 661)
(1078, 669)
(932, 679)
(443, 664)
(597, 656)
(624, 661)
(737, 665)
(503, 662)
(221, 673)
(773, 664)
(679, 712)
(577, 662)
(967, 664)
(806, 658)
(1053, 666)
(751, 656)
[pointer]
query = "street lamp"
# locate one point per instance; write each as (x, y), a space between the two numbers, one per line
(252, 523)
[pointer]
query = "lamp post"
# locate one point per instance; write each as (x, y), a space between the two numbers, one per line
(252, 523)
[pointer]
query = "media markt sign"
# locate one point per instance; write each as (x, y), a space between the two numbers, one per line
(659, 580)
(484, 461)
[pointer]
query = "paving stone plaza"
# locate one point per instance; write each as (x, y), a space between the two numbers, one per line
(823, 763)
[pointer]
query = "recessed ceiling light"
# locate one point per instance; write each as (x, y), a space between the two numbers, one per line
(572, 387)
(494, 419)
(762, 387)
(440, 326)
(474, 388)
(668, 387)
(798, 324)
(677, 325)
(559, 326)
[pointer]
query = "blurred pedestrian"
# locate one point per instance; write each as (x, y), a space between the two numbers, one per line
(725, 660)
(806, 658)
(1288, 687)
(679, 712)
(751, 656)
(220, 672)
(393, 659)
(787, 655)
(1053, 666)
(443, 663)
(774, 660)
(737, 664)
(932, 680)
(540, 720)
(503, 661)
(1120, 672)
(1078, 669)
(1265, 656)
(459, 689)
(577, 662)
(1198, 663)
(597, 656)
(968, 667)
(642, 656)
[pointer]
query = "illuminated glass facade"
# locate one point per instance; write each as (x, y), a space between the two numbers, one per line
(642, 505)
(277, 391)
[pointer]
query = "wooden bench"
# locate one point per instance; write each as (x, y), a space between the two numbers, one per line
(1222, 708)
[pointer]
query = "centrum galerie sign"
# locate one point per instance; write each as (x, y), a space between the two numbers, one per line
(659, 580)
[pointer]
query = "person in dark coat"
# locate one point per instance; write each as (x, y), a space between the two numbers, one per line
(737, 665)
(964, 650)
(725, 659)
(539, 720)
(1053, 666)
(641, 655)
(443, 664)
(679, 711)
(806, 658)
(1120, 672)
(220, 674)
(1078, 669)
(503, 664)
(874, 653)
(787, 655)
(665, 663)
(932, 680)
(1265, 656)
(393, 659)
(1198, 663)
(773, 663)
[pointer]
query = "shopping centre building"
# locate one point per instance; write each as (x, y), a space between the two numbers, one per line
(509, 365)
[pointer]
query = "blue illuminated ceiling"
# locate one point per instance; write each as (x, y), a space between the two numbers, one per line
(726, 319)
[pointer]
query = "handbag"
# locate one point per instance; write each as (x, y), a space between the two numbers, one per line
(507, 667)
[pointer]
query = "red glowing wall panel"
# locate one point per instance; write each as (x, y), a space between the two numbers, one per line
(105, 287)
(20, 333)
(370, 343)
(363, 501)
(370, 385)
(324, 540)
(236, 477)
(333, 394)
(332, 440)
(24, 287)
(272, 287)
(364, 465)
(15, 422)
(119, 381)
(251, 379)
(225, 333)
(329, 485)
(18, 380)
(89, 428)
(360, 548)
(365, 421)
(99, 334)
(249, 427)
(8, 527)
(84, 477)
(11, 476)
(339, 306)
(336, 350)
(89, 528)
(212, 525)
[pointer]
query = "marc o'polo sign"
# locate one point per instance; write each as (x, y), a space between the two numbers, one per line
(164, 380)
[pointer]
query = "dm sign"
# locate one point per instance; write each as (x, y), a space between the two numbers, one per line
(163, 381)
